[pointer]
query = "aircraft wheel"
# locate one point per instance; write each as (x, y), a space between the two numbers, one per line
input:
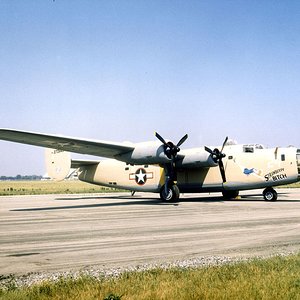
(172, 194)
(270, 194)
(230, 194)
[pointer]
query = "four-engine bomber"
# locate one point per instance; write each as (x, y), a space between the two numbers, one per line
(162, 167)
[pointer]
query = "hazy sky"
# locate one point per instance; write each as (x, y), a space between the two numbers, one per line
(120, 70)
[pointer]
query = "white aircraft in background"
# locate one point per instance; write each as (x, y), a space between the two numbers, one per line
(160, 166)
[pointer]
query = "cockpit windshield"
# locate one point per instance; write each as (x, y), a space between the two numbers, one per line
(250, 148)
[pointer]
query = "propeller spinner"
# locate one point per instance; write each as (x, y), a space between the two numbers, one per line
(217, 155)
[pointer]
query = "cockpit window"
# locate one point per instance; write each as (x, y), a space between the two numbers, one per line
(248, 149)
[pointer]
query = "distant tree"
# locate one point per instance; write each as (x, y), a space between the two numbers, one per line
(20, 177)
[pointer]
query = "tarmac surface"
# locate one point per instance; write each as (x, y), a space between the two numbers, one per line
(51, 233)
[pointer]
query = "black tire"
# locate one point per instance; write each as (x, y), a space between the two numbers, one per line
(270, 194)
(172, 195)
(230, 194)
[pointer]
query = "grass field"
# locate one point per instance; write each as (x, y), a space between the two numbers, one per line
(49, 187)
(293, 185)
(274, 278)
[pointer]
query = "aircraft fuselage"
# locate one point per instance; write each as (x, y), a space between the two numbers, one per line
(246, 167)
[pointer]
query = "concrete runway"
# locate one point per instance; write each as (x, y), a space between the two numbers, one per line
(69, 232)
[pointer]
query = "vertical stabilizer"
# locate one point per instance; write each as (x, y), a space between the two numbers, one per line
(58, 163)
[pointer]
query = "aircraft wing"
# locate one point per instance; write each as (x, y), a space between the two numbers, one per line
(70, 144)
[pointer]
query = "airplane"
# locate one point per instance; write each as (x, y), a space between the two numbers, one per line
(162, 167)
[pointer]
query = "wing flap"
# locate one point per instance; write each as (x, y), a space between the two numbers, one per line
(76, 145)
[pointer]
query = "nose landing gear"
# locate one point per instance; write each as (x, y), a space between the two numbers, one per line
(270, 194)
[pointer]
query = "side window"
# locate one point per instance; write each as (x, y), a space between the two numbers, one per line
(283, 157)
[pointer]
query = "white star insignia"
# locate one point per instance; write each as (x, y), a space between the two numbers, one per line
(140, 177)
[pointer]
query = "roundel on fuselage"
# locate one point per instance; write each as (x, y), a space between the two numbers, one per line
(140, 176)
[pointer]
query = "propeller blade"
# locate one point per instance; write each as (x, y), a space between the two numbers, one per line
(208, 150)
(183, 139)
(161, 138)
(222, 170)
(226, 139)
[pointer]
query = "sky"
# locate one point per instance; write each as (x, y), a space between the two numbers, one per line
(120, 70)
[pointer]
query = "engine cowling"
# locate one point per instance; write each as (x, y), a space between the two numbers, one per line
(153, 153)
(196, 158)
(146, 153)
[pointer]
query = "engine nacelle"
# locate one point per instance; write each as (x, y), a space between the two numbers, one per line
(153, 153)
(145, 153)
(196, 158)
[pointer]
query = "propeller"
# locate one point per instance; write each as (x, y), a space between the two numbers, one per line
(217, 155)
(171, 150)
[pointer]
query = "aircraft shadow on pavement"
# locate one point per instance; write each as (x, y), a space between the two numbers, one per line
(153, 200)
(128, 197)
(135, 200)
(211, 198)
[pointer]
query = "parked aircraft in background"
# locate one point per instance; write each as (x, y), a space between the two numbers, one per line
(160, 167)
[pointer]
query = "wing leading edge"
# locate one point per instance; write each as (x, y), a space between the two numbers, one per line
(70, 144)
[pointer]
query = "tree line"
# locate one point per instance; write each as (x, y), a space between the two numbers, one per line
(21, 177)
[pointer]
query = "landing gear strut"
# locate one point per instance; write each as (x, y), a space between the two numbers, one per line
(270, 194)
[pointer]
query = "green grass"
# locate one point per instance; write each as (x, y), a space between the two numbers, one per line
(292, 185)
(274, 278)
(8, 188)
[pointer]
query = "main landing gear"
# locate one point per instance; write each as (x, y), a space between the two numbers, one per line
(270, 194)
(169, 194)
